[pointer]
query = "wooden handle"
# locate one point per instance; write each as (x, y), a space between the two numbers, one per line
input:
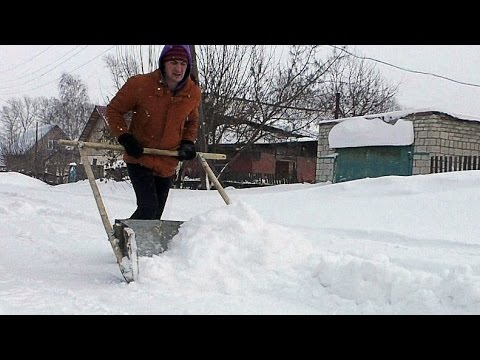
(212, 177)
(100, 146)
(149, 151)
(101, 207)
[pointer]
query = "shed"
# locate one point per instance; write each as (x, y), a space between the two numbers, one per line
(405, 143)
(282, 162)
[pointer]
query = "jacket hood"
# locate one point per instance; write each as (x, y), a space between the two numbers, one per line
(165, 50)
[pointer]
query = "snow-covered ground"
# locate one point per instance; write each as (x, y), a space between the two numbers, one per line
(391, 245)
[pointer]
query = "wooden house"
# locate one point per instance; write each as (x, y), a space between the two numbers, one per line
(40, 156)
(96, 130)
(263, 164)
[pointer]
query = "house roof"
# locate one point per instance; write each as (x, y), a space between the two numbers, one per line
(393, 116)
(101, 109)
(371, 132)
(392, 128)
(27, 140)
(98, 111)
(280, 132)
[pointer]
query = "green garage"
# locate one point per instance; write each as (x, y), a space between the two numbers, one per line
(372, 161)
(370, 148)
(404, 142)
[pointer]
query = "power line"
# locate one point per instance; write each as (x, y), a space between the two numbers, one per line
(30, 73)
(402, 68)
(76, 68)
(89, 61)
(26, 62)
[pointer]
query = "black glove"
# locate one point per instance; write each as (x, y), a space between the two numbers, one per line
(131, 145)
(187, 151)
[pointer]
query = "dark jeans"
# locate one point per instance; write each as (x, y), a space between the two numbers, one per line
(151, 192)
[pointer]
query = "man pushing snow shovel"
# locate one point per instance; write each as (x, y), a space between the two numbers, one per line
(165, 111)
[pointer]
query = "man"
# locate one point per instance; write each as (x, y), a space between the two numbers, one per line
(164, 105)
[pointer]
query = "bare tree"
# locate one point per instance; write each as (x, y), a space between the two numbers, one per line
(74, 107)
(225, 79)
(70, 112)
(49, 110)
(245, 88)
(17, 117)
(132, 60)
(249, 92)
(361, 87)
(19, 134)
(11, 129)
(21, 126)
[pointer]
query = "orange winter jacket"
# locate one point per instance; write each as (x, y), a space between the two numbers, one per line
(160, 119)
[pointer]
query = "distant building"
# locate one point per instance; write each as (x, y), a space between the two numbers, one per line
(102, 161)
(287, 158)
(283, 162)
(3, 166)
(94, 131)
(397, 143)
(40, 156)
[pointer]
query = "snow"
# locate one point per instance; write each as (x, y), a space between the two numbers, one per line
(390, 245)
(393, 116)
(383, 129)
(370, 132)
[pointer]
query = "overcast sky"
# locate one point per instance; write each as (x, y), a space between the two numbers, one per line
(457, 62)
(34, 70)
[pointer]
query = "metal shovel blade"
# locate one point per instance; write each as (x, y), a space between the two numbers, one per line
(151, 236)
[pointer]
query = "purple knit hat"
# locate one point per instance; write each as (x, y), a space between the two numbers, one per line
(176, 50)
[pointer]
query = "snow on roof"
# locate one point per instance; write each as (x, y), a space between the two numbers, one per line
(370, 132)
(384, 129)
(285, 140)
(394, 115)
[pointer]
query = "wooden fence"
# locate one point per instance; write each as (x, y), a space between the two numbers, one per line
(243, 180)
(440, 164)
(257, 179)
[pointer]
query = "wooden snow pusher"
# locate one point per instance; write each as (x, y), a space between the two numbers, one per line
(130, 238)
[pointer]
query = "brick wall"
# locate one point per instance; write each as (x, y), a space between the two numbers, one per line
(325, 155)
(442, 135)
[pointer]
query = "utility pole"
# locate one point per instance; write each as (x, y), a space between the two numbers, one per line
(337, 104)
(201, 138)
(36, 151)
